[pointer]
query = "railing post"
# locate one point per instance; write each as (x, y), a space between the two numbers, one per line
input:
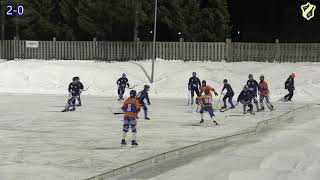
(93, 56)
(54, 41)
(14, 47)
(277, 58)
(181, 50)
(228, 50)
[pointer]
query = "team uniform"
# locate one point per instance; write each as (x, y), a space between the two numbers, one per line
(78, 97)
(229, 94)
(75, 88)
(122, 84)
(253, 87)
(143, 95)
(208, 88)
(289, 85)
(245, 97)
(131, 108)
(264, 94)
(193, 86)
(205, 101)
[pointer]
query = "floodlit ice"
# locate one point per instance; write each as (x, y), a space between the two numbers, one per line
(39, 142)
(288, 153)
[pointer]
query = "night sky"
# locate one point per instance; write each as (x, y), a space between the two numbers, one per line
(265, 21)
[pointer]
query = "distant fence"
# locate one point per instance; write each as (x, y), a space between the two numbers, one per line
(187, 51)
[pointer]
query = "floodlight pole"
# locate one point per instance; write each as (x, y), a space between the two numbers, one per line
(154, 39)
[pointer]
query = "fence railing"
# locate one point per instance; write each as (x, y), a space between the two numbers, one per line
(187, 51)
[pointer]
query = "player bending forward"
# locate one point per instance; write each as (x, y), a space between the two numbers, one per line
(131, 108)
(245, 97)
(229, 94)
(75, 88)
(253, 88)
(264, 94)
(205, 101)
(205, 87)
(144, 95)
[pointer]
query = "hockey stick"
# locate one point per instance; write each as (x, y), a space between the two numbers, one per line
(86, 88)
(224, 110)
(118, 113)
(132, 87)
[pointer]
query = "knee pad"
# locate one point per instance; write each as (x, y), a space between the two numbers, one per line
(125, 127)
(134, 129)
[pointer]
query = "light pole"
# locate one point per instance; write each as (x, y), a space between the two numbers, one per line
(154, 39)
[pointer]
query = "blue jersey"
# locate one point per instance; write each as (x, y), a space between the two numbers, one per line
(142, 96)
(122, 82)
(194, 83)
(245, 95)
(253, 85)
(228, 88)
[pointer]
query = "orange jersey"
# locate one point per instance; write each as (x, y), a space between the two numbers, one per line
(263, 87)
(205, 101)
(206, 87)
(131, 107)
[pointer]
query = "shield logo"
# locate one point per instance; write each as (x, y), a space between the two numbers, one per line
(308, 10)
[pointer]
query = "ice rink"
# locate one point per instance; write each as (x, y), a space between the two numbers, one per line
(39, 142)
(290, 152)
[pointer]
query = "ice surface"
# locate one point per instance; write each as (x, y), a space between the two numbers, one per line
(39, 142)
(291, 153)
(34, 76)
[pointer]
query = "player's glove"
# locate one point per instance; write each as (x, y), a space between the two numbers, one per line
(149, 103)
(216, 94)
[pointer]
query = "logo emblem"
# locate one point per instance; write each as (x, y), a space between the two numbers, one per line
(308, 11)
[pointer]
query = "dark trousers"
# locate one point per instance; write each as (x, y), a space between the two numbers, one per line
(228, 96)
(121, 91)
(194, 90)
(245, 104)
(289, 95)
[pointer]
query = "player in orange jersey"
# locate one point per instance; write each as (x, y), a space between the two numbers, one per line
(205, 101)
(205, 87)
(131, 108)
(264, 94)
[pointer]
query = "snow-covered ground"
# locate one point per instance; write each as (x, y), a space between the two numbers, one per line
(33, 76)
(288, 153)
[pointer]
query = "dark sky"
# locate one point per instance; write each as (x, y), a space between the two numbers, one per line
(267, 20)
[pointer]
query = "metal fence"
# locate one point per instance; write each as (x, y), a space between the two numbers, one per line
(187, 51)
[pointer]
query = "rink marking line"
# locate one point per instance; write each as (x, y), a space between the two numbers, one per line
(191, 149)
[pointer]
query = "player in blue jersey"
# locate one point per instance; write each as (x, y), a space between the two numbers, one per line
(245, 97)
(122, 84)
(253, 87)
(75, 88)
(229, 94)
(193, 85)
(143, 95)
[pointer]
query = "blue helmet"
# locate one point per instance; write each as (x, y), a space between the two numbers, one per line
(133, 93)
(194, 74)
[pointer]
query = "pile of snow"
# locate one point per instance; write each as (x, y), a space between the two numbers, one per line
(171, 77)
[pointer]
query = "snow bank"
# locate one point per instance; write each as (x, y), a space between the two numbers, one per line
(33, 76)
